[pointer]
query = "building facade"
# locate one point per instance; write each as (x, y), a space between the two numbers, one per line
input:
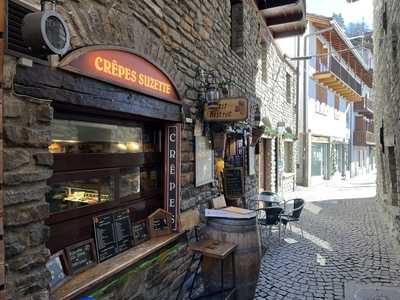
(334, 134)
(97, 140)
(387, 109)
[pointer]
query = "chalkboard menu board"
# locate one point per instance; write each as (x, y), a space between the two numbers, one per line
(113, 234)
(58, 269)
(233, 182)
(140, 232)
(81, 256)
(123, 230)
(160, 223)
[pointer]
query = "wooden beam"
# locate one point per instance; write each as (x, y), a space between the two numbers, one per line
(63, 87)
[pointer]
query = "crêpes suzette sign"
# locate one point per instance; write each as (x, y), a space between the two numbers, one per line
(123, 68)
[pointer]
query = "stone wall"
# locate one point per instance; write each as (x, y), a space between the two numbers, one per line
(27, 166)
(179, 36)
(159, 277)
(387, 109)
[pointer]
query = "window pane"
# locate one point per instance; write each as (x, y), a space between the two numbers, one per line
(71, 136)
(150, 178)
(79, 193)
(129, 183)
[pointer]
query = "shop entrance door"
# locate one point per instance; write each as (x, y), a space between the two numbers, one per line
(318, 161)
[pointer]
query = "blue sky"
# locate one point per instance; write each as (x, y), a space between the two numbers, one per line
(351, 12)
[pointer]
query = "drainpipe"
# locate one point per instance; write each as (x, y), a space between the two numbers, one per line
(297, 87)
(305, 104)
(2, 51)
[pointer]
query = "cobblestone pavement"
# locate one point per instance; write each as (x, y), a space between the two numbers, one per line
(344, 241)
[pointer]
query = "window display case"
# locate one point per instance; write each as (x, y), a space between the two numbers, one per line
(78, 193)
(101, 167)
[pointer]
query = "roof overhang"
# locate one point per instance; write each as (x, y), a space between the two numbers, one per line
(284, 18)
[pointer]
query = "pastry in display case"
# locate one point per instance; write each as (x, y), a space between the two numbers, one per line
(79, 193)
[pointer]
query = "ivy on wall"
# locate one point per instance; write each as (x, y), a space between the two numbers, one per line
(118, 282)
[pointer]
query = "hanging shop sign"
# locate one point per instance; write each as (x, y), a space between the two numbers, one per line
(228, 110)
(121, 67)
(172, 184)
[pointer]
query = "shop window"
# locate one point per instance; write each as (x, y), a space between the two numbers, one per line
(288, 88)
(237, 26)
(82, 190)
(100, 167)
(288, 157)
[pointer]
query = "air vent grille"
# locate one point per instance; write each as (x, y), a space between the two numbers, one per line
(15, 42)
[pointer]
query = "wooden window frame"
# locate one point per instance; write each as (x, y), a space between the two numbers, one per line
(87, 165)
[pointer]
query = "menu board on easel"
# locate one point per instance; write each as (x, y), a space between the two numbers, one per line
(233, 182)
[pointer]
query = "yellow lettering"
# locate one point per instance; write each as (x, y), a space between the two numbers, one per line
(114, 67)
(121, 71)
(141, 79)
(133, 79)
(97, 63)
(128, 74)
(107, 66)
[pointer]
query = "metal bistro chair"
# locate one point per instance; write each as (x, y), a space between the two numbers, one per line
(293, 215)
(268, 217)
(269, 198)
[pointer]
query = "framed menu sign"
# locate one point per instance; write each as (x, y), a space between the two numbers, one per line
(106, 242)
(81, 256)
(233, 182)
(204, 161)
(140, 231)
(58, 268)
(160, 223)
(113, 234)
(123, 230)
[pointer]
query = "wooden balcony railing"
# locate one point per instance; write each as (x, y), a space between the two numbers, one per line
(365, 107)
(331, 73)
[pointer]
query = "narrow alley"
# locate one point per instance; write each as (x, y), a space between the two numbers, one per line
(346, 245)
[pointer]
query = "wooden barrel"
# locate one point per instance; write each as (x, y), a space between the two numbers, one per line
(242, 232)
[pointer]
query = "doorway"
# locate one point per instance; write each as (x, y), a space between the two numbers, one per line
(319, 154)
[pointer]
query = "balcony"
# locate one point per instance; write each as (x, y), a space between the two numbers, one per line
(363, 138)
(365, 107)
(333, 75)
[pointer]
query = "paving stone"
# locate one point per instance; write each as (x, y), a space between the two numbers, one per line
(352, 237)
